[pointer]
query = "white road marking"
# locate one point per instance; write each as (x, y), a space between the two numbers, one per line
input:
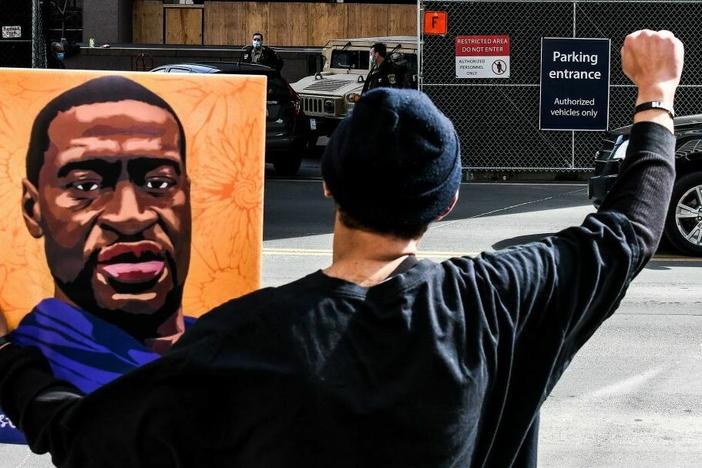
(318, 179)
(625, 386)
(439, 254)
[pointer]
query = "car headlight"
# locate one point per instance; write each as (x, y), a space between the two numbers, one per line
(329, 106)
(353, 98)
(620, 152)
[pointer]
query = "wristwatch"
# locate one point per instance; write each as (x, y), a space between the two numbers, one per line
(4, 341)
(644, 106)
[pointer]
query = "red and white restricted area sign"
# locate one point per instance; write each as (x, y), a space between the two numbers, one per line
(482, 56)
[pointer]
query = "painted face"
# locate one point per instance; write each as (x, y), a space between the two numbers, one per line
(257, 42)
(114, 208)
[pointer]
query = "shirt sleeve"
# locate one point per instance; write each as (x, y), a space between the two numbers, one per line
(540, 302)
(138, 420)
(545, 299)
(643, 189)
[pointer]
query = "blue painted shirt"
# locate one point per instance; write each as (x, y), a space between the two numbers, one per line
(81, 348)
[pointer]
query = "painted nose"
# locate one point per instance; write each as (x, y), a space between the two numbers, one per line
(126, 213)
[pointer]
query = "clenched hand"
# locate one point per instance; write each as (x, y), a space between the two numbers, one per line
(653, 60)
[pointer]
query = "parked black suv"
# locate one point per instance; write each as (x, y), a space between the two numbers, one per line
(287, 127)
(683, 225)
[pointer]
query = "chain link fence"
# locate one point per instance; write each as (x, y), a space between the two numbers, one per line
(16, 33)
(28, 27)
(498, 119)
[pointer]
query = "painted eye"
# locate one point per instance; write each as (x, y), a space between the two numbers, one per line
(86, 186)
(158, 184)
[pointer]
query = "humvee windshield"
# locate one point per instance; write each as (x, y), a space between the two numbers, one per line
(353, 59)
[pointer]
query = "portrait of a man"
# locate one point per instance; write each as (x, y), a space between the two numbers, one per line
(107, 190)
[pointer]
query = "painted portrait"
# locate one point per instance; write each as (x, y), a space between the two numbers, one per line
(131, 204)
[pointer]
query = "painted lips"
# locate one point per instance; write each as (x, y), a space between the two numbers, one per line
(132, 262)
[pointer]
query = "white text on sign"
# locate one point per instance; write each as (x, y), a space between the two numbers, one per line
(483, 56)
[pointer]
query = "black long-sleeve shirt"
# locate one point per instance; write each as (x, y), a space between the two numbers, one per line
(444, 365)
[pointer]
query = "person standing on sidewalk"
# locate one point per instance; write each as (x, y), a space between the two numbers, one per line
(380, 359)
(263, 55)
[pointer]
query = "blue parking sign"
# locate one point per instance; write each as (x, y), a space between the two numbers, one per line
(574, 84)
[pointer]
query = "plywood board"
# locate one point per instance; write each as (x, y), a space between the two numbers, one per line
(327, 21)
(147, 23)
(183, 25)
(224, 23)
(402, 20)
(256, 20)
(288, 23)
(367, 20)
(282, 24)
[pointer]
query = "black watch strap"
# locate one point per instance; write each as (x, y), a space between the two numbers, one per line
(644, 106)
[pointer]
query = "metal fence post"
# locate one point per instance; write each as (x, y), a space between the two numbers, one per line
(38, 36)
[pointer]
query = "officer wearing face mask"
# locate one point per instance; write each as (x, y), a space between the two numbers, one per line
(56, 55)
(258, 53)
(59, 51)
(383, 72)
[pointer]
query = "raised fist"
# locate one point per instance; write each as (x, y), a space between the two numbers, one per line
(653, 60)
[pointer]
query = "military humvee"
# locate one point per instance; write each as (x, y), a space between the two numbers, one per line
(328, 96)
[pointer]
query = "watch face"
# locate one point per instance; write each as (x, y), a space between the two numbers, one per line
(654, 105)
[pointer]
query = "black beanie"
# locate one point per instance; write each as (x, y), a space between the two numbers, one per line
(394, 162)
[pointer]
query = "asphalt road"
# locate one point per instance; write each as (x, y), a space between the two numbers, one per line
(633, 395)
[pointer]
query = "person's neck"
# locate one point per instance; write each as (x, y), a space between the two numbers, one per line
(366, 258)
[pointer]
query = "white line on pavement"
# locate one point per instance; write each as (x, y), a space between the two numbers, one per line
(316, 180)
(627, 385)
(438, 254)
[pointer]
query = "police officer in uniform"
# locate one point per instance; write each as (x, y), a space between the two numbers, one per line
(383, 73)
(258, 53)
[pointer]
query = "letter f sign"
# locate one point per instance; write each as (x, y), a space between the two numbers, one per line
(435, 22)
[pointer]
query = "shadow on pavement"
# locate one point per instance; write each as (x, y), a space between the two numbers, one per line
(666, 257)
(310, 169)
(519, 240)
(296, 207)
(669, 264)
(484, 200)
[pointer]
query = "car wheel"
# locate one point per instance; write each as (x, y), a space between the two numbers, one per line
(683, 226)
(287, 164)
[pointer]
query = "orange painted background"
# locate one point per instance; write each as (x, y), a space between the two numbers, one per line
(224, 120)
